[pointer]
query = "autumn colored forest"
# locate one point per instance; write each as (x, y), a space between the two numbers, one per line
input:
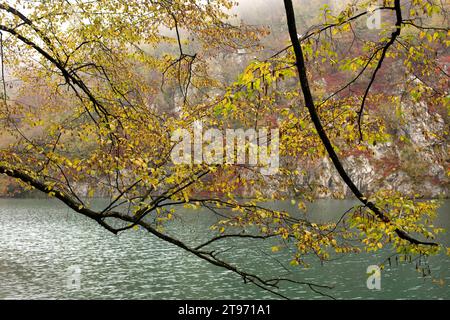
(414, 160)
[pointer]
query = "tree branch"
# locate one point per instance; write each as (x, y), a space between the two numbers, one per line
(270, 285)
(394, 35)
(309, 101)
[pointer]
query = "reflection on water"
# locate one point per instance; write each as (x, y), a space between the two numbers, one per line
(41, 239)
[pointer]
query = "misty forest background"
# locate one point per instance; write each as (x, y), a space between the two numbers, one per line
(414, 161)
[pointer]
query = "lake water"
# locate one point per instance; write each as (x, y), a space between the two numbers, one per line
(40, 240)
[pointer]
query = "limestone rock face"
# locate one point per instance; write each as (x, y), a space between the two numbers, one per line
(418, 167)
